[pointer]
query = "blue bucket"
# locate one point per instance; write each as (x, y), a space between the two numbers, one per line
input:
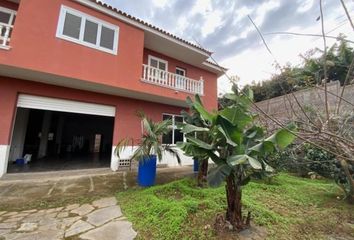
(196, 165)
(147, 171)
(20, 161)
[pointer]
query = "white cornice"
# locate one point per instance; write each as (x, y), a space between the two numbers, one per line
(220, 70)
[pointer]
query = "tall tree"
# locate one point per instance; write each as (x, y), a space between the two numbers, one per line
(237, 145)
(310, 73)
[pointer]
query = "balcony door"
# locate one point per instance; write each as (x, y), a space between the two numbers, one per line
(180, 78)
(158, 70)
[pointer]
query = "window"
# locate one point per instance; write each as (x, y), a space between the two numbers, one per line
(91, 31)
(180, 71)
(159, 70)
(72, 26)
(83, 29)
(7, 16)
(7, 20)
(175, 135)
(158, 63)
(180, 78)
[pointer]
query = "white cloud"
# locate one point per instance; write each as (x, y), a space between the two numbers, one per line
(160, 3)
(257, 64)
(214, 20)
(231, 39)
(305, 5)
(262, 10)
(241, 13)
(249, 60)
(202, 6)
(249, 65)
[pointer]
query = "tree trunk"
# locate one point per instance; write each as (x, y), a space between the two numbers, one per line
(202, 173)
(234, 204)
(350, 194)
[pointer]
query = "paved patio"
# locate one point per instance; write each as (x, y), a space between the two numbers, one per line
(25, 191)
(73, 205)
(102, 219)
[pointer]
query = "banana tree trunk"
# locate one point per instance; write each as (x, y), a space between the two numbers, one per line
(202, 173)
(350, 194)
(234, 204)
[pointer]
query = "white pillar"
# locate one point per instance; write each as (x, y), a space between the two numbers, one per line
(4, 156)
(201, 86)
(114, 160)
(42, 152)
(19, 134)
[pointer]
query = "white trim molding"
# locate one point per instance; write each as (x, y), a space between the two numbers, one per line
(150, 57)
(219, 70)
(4, 157)
(84, 18)
(173, 126)
(181, 70)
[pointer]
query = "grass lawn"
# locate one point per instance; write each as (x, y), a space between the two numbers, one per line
(289, 208)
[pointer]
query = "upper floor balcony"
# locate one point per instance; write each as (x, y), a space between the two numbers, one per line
(146, 64)
(170, 80)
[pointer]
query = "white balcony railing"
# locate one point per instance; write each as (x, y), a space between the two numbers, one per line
(5, 33)
(171, 80)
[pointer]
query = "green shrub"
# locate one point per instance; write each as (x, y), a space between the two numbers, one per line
(320, 161)
(289, 160)
(307, 159)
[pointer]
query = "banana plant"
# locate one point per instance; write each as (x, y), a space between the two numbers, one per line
(194, 119)
(236, 144)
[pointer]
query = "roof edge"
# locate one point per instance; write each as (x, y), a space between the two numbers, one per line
(218, 69)
(125, 17)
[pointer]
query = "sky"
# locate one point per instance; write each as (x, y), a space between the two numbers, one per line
(223, 27)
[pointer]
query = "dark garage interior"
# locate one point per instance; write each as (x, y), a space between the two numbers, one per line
(61, 141)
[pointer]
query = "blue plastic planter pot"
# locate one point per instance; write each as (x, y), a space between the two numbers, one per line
(147, 171)
(20, 161)
(196, 166)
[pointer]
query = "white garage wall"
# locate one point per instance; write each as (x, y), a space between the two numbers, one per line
(4, 156)
(19, 134)
(167, 158)
(171, 161)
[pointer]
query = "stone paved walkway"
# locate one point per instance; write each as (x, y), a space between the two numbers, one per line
(100, 220)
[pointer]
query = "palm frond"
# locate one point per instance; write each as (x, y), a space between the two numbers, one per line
(150, 143)
(122, 145)
(174, 152)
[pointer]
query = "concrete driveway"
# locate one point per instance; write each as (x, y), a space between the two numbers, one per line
(55, 189)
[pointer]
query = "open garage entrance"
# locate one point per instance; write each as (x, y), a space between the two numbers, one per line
(53, 134)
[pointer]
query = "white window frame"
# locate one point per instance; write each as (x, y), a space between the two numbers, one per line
(150, 57)
(173, 127)
(12, 15)
(5, 40)
(84, 17)
(180, 79)
(182, 70)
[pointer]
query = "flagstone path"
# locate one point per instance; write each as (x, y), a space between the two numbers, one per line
(100, 220)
